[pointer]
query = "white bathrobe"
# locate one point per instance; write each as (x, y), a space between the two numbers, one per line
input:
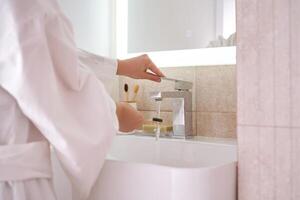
(49, 96)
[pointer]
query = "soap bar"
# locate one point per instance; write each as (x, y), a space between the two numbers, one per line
(151, 128)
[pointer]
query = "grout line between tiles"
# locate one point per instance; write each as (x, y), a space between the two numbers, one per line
(268, 126)
(196, 98)
(258, 73)
(290, 99)
(274, 103)
(229, 112)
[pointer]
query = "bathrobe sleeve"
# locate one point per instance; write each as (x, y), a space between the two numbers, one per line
(104, 68)
(40, 68)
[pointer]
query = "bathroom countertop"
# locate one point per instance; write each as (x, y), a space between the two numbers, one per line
(215, 140)
(230, 141)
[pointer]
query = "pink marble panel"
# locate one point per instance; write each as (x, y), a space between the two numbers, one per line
(271, 100)
(266, 165)
(295, 62)
(265, 41)
(264, 65)
(283, 164)
(282, 62)
(247, 63)
(295, 169)
(248, 168)
(266, 168)
(255, 60)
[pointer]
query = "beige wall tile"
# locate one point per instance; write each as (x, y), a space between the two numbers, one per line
(195, 123)
(216, 124)
(216, 89)
(215, 85)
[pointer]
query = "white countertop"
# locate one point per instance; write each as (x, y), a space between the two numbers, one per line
(215, 140)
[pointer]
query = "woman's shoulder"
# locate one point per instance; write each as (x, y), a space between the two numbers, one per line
(23, 10)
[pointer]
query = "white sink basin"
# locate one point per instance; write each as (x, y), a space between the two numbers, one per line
(139, 168)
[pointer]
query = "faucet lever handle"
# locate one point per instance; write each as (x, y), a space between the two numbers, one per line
(179, 84)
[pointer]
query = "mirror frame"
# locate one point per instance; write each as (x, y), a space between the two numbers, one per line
(173, 58)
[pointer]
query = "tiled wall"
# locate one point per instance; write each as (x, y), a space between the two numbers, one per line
(268, 71)
(214, 98)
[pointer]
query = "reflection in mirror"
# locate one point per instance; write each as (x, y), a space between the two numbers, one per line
(164, 25)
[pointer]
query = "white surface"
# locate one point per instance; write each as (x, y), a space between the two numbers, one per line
(225, 18)
(176, 58)
(229, 19)
(94, 27)
(138, 168)
(192, 57)
(162, 25)
(44, 49)
(93, 24)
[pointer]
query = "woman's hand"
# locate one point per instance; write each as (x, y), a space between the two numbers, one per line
(129, 118)
(138, 67)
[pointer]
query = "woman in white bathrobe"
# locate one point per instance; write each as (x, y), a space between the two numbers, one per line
(50, 95)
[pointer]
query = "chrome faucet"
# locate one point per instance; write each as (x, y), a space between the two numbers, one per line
(182, 107)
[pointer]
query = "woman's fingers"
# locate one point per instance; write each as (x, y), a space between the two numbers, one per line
(137, 68)
(151, 77)
(153, 67)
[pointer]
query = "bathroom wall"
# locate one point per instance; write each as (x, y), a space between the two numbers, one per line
(214, 98)
(268, 71)
(93, 26)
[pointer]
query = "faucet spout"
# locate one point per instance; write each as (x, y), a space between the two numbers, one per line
(182, 111)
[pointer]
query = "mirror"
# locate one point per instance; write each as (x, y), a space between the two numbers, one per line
(176, 32)
(164, 25)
